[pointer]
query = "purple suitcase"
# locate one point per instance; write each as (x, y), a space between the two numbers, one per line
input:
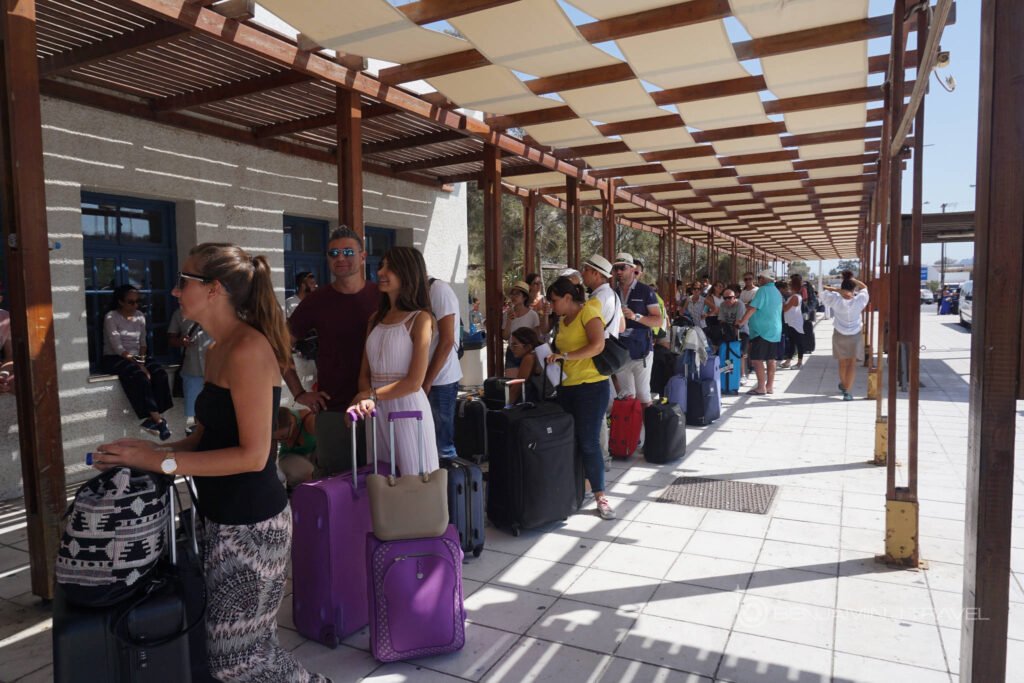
(330, 521)
(415, 591)
(675, 391)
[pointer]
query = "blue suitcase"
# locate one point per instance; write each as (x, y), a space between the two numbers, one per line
(675, 391)
(730, 358)
(703, 402)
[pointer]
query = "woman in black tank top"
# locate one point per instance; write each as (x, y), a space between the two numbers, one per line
(246, 531)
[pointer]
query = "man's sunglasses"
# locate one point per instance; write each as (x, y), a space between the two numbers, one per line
(621, 266)
(184, 277)
(347, 252)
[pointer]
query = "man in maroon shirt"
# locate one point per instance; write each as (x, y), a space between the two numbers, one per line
(339, 314)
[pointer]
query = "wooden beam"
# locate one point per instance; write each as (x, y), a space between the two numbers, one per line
(433, 67)
(350, 159)
(706, 174)
(296, 126)
(591, 150)
(660, 19)
(659, 187)
(249, 86)
(705, 91)
(430, 11)
(572, 224)
(111, 48)
(942, 10)
(832, 162)
(692, 152)
(846, 134)
(438, 162)
(997, 355)
(819, 100)
(823, 182)
(531, 118)
(760, 157)
(641, 125)
(620, 171)
(493, 262)
(23, 224)
(600, 75)
(740, 132)
(530, 232)
(424, 140)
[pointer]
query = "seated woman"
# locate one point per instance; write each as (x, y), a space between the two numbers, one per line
(531, 352)
(124, 354)
(295, 435)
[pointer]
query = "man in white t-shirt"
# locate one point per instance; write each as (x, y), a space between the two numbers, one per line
(597, 271)
(441, 383)
(746, 296)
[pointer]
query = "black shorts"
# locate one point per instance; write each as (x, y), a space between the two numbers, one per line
(744, 342)
(762, 349)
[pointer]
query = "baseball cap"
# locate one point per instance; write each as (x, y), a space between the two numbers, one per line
(570, 272)
(600, 264)
(624, 257)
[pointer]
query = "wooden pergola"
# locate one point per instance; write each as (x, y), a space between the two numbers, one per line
(690, 144)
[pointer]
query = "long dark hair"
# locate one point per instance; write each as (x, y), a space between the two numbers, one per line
(414, 295)
(118, 295)
(249, 286)
(527, 336)
(563, 286)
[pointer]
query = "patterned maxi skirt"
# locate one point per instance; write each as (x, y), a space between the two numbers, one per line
(245, 567)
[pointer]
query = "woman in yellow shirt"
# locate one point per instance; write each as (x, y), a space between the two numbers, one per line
(584, 391)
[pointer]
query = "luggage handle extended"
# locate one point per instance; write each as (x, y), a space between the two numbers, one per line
(522, 394)
(407, 415)
(353, 416)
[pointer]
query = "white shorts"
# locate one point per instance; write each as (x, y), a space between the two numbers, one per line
(635, 378)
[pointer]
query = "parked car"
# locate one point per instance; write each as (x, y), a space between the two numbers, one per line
(966, 303)
(926, 296)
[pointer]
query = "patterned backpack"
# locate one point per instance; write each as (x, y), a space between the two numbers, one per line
(114, 534)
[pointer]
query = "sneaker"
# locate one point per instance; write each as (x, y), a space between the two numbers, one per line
(842, 388)
(604, 508)
(847, 396)
(165, 430)
(151, 426)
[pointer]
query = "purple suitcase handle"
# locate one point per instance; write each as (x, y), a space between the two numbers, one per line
(405, 415)
(354, 416)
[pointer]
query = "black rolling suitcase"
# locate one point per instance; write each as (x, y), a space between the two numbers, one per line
(471, 429)
(535, 476)
(466, 502)
(496, 392)
(145, 638)
(662, 369)
(703, 402)
(665, 426)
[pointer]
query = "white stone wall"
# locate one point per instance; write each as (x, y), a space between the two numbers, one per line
(222, 191)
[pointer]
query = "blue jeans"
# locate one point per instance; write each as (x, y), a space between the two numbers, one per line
(587, 404)
(442, 405)
(191, 385)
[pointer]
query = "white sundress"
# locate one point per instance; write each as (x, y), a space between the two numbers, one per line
(389, 353)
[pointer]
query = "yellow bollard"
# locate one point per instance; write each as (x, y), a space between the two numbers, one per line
(881, 440)
(873, 378)
(901, 546)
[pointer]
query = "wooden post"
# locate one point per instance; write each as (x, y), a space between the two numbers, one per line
(673, 261)
(530, 233)
(493, 262)
(350, 159)
(735, 263)
(662, 256)
(996, 347)
(572, 222)
(609, 233)
(693, 262)
(23, 198)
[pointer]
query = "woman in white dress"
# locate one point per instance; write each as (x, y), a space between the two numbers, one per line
(396, 359)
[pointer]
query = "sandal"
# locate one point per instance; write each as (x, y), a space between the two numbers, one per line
(755, 392)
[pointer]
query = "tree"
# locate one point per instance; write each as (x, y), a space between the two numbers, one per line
(799, 268)
(949, 261)
(846, 264)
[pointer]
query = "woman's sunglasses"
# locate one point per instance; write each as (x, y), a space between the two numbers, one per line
(185, 277)
(347, 252)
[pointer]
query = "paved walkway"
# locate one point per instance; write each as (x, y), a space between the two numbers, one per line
(673, 593)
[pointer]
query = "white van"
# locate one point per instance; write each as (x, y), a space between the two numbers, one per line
(966, 302)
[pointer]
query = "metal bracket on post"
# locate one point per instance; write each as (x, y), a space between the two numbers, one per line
(881, 440)
(901, 534)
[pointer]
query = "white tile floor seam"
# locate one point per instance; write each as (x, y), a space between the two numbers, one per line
(669, 592)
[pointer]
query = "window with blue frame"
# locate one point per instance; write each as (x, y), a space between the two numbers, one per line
(305, 250)
(128, 241)
(378, 241)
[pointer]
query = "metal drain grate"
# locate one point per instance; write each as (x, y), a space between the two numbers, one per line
(738, 496)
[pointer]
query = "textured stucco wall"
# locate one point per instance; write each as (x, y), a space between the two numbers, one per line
(222, 191)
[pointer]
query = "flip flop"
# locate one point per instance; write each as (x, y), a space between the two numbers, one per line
(755, 392)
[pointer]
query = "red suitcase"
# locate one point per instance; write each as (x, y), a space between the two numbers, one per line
(627, 421)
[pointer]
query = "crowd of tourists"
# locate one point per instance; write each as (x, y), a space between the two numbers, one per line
(393, 347)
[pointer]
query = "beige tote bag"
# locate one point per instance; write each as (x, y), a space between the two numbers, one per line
(413, 505)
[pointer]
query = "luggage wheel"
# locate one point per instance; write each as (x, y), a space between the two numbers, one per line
(515, 531)
(477, 551)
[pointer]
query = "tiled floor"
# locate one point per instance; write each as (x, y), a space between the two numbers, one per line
(671, 593)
